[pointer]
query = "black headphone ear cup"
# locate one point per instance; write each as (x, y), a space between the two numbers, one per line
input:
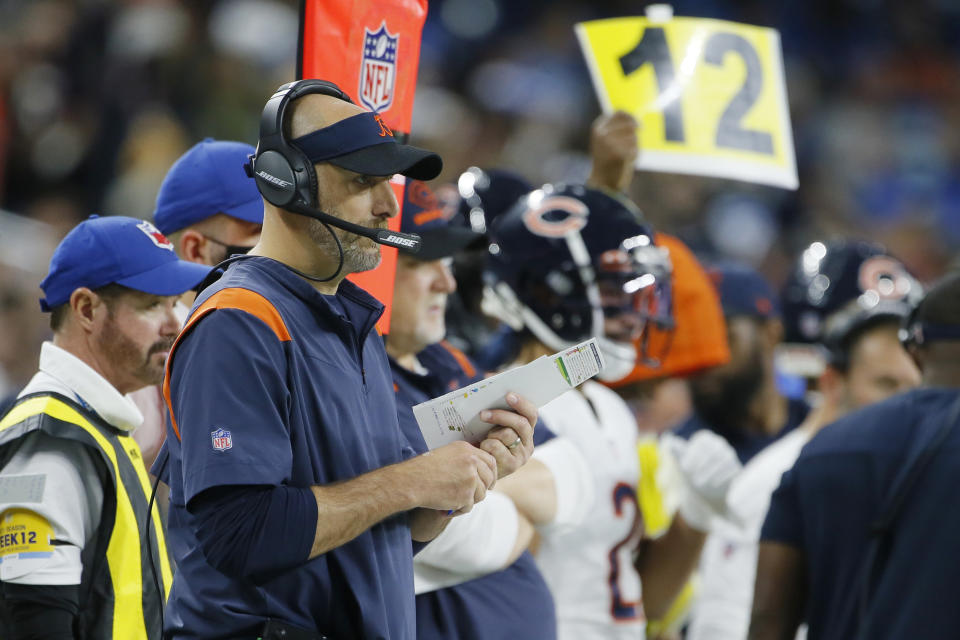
(275, 178)
(314, 186)
(306, 176)
(282, 171)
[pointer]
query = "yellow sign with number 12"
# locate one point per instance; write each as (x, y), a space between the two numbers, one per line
(709, 94)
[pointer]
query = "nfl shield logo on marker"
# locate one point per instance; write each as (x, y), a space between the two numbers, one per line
(222, 440)
(378, 71)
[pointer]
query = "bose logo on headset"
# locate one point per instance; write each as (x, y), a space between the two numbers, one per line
(407, 242)
(283, 184)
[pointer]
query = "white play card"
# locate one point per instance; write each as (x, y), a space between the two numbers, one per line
(455, 415)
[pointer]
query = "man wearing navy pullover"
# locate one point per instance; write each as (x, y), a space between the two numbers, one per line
(294, 495)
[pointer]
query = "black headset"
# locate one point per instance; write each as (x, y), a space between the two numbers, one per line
(283, 173)
(287, 179)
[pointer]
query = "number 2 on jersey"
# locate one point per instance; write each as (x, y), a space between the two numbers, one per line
(624, 500)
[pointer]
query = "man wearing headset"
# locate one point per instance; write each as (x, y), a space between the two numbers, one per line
(861, 536)
(294, 495)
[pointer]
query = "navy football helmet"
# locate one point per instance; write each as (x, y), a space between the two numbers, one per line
(837, 288)
(487, 193)
(477, 198)
(569, 263)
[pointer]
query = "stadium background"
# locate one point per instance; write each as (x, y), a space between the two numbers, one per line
(98, 98)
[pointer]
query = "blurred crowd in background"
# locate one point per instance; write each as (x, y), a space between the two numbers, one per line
(98, 98)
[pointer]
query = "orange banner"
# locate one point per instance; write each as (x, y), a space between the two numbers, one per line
(371, 50)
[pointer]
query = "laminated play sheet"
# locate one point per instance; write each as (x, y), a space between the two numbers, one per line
(455, 415)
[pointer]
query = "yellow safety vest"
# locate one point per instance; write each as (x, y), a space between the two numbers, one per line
(118, 596)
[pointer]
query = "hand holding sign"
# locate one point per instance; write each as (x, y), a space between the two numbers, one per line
(613, 150)
(708, 94)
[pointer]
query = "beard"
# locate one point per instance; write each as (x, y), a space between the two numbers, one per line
(359, 253)
(724, 401)
(123, 353)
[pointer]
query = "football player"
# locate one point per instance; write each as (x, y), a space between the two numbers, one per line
(846, 300)
(568, 263)
(860, 538)
(479, 196)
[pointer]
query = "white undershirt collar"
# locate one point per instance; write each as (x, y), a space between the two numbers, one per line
(90, 387)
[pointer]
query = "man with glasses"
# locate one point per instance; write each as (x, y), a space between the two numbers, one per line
(207, 205)
(210, 210)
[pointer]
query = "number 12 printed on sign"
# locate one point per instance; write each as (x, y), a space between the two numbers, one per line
(709, 94)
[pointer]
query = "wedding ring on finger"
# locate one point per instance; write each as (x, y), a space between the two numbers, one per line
(513, 445)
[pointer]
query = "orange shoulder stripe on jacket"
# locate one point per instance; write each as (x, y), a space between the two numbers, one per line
(232, 298)
(461, 359)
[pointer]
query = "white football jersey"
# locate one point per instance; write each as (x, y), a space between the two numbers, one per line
(589, 567)
(728, 564)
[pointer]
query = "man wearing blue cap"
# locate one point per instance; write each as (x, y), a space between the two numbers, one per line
(207, 205)
(76, 557)
(740, 400)
(209, 209)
